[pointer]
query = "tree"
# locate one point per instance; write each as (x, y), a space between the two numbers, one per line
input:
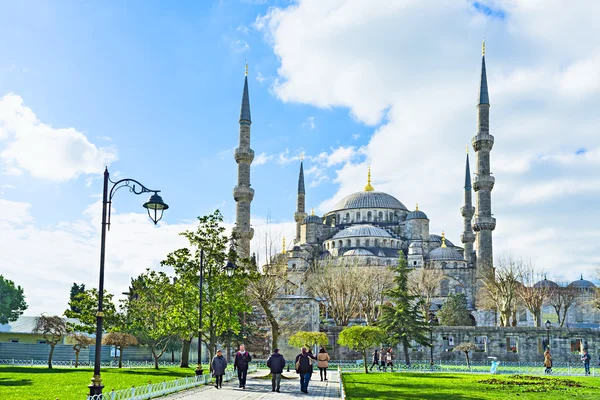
(84, 306)
(361, 338)
(403, 320)
(53, 328)
(424, 283)
(562, 298)
(533, 295)
(82, 341)
(466, 347)
(12, 301)
(75, 290)
(454, 312)
(374, 282)
(308, 339)
(500, 289)
(120, 340)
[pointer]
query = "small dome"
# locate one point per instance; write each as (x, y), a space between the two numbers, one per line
(369, 200)
(312, 219)
(443, 254)
(438, 239)
(358, 252)
(417, 214)
(545, 283)
(582, 284)
(362, 230)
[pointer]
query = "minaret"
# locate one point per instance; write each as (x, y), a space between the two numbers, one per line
(467, 211)
(242, 192)
(483, 223)
(300, 213)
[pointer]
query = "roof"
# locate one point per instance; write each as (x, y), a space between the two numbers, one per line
(582, 284)
(369, 200)
(358, 252)
(545, 283)
(444, 253)
(362, 230)
(467, 175)
(245, 111)
(313, 219)
(26, 324)
(438, 239)
(483, 88)
(301, 179)
(417, 214)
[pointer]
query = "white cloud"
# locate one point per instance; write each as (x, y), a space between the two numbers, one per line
(309, 123)
(45, 152)
(260, 78)
(240, 46)
(261, 159)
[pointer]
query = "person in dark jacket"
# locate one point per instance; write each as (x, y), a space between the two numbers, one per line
(242, 359)
(312, 367)
(217, 366)
(375, 360)
(276, 363)
(586, 358)
(304, 368)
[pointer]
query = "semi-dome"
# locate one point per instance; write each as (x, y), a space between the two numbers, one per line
(444, 254)
(545, 283)
(362, 230)
(582, 284)
(313, 219)
(417, 214)
(438, 239)
(369, 199)
(358, 252)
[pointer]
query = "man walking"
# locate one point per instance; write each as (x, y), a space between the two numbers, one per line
(375, 360)
(242, 359)
(276, 363)
(586, 358)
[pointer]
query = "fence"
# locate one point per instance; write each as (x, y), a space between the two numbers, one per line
(342, 391)
(161, 389)
(83, 364)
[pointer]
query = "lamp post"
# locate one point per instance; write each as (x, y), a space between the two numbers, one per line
(431, 342)
(229, 269)
(155, 206)
(548, 325)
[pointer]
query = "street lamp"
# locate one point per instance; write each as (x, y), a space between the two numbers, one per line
(548, 325)
(229, 269)
(155, 206)
(431, 341)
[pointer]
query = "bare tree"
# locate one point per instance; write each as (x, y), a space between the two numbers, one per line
(82, 341)
(500, 289)
(120, 340)
(53, 328)
(374, 282)
(423, 283)
(534, 292)
(562, 298)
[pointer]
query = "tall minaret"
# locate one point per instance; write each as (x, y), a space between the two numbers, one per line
(467, 211)
(483, 223)
(242, 192)
(300, 213)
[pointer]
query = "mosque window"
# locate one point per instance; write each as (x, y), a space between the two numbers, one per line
(512, 344)
(443, 265)
(398, 245)
(338, 218)
(357, 242)
(380, 216)
(347, 217)
(384, 242)
(376, 243)
(340, 244)
(358, 216)
(369, 216)
(415, 262)
(367, 242)
(348, 242)
(444, 289)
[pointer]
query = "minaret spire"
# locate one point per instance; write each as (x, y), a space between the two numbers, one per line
(467, 237)
(242, 192)
(483, 222)
(300, 213)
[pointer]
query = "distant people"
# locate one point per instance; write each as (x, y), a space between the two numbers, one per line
(304, 368)
(375, 360)
(586, 358)
(323, 362)
(548, 361)
(382, 357)
(276, 363)
(389, 359)
(241, 362)
(217, 366)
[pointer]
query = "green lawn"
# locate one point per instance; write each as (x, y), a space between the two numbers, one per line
(423, 386)
(35, 383)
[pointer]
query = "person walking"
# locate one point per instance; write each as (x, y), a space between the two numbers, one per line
(375, 360)
(304, 368)
(276, 363)
(586, 358)
(382, 358)
(323, 362)
(389, 359)
(217, 366)
(241, 362)
(548, 361)
(312, 364)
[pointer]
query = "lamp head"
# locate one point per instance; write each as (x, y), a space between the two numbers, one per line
(548, 324)
(155, 206)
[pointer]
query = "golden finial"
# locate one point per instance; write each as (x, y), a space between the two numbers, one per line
(283, 246)
(369, 188)
(246, 67)
(417, 209)
(467, 149)
(483, 47)
(302, 156)
(443, 240)
(312, 212)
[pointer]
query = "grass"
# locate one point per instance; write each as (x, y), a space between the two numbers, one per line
(422, 386)
(36, 383)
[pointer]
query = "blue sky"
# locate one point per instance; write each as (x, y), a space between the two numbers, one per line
(153, 90)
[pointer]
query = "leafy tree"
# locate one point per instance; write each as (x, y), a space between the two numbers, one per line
(12, 301)
(466, 347)
(82, 341)
(86, 304)
(308, 339)
(500, 289)
(361, 338)
(120, 340)
(75, 290)
(454, 312)
(53, 328)
(403, 320)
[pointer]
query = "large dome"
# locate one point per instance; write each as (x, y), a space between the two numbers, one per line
(582, 284)
(369, 200)
(362, 230)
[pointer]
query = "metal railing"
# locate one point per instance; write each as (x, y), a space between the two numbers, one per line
(341, 381)
(85, 364)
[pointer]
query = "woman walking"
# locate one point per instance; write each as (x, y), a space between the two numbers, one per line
(323, 362)
(218, 365)
(304, 368)
(548, 361)
(382, 357)
(388, 359)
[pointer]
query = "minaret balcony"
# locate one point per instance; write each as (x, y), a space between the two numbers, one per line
(483, 223)
(467, 212)
(483, 182)
(483, 141)
(243, 156)
(243, 193)
(242, 232)
(299, 216)
(467, 237)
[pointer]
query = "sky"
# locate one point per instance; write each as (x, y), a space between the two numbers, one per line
(152, 90)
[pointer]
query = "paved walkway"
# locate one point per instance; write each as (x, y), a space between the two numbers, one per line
(257, 388)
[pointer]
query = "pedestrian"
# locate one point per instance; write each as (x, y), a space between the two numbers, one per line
(242, 359)
(382, 358)
(388, 359)
(548, 361)
(276, 363)
(312, 364)
(323, 362)
(586, 358)
(303, 368)
(217, 366)
(375, 360)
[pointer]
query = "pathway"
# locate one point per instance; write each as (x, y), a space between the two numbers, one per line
(257, 388)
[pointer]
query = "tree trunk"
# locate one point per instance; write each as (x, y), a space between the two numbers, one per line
(50, 355)
(120, 356)
(405, 348)
(76, 358)
(468, 362)
(155, 358)
(172, 356)
(364, 354)
(274, 324)
(185, 353)
(514, 318)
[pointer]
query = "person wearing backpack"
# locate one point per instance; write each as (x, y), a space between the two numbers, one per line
(304, 368)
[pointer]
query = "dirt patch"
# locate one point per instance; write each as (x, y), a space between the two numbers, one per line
(532, 383)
